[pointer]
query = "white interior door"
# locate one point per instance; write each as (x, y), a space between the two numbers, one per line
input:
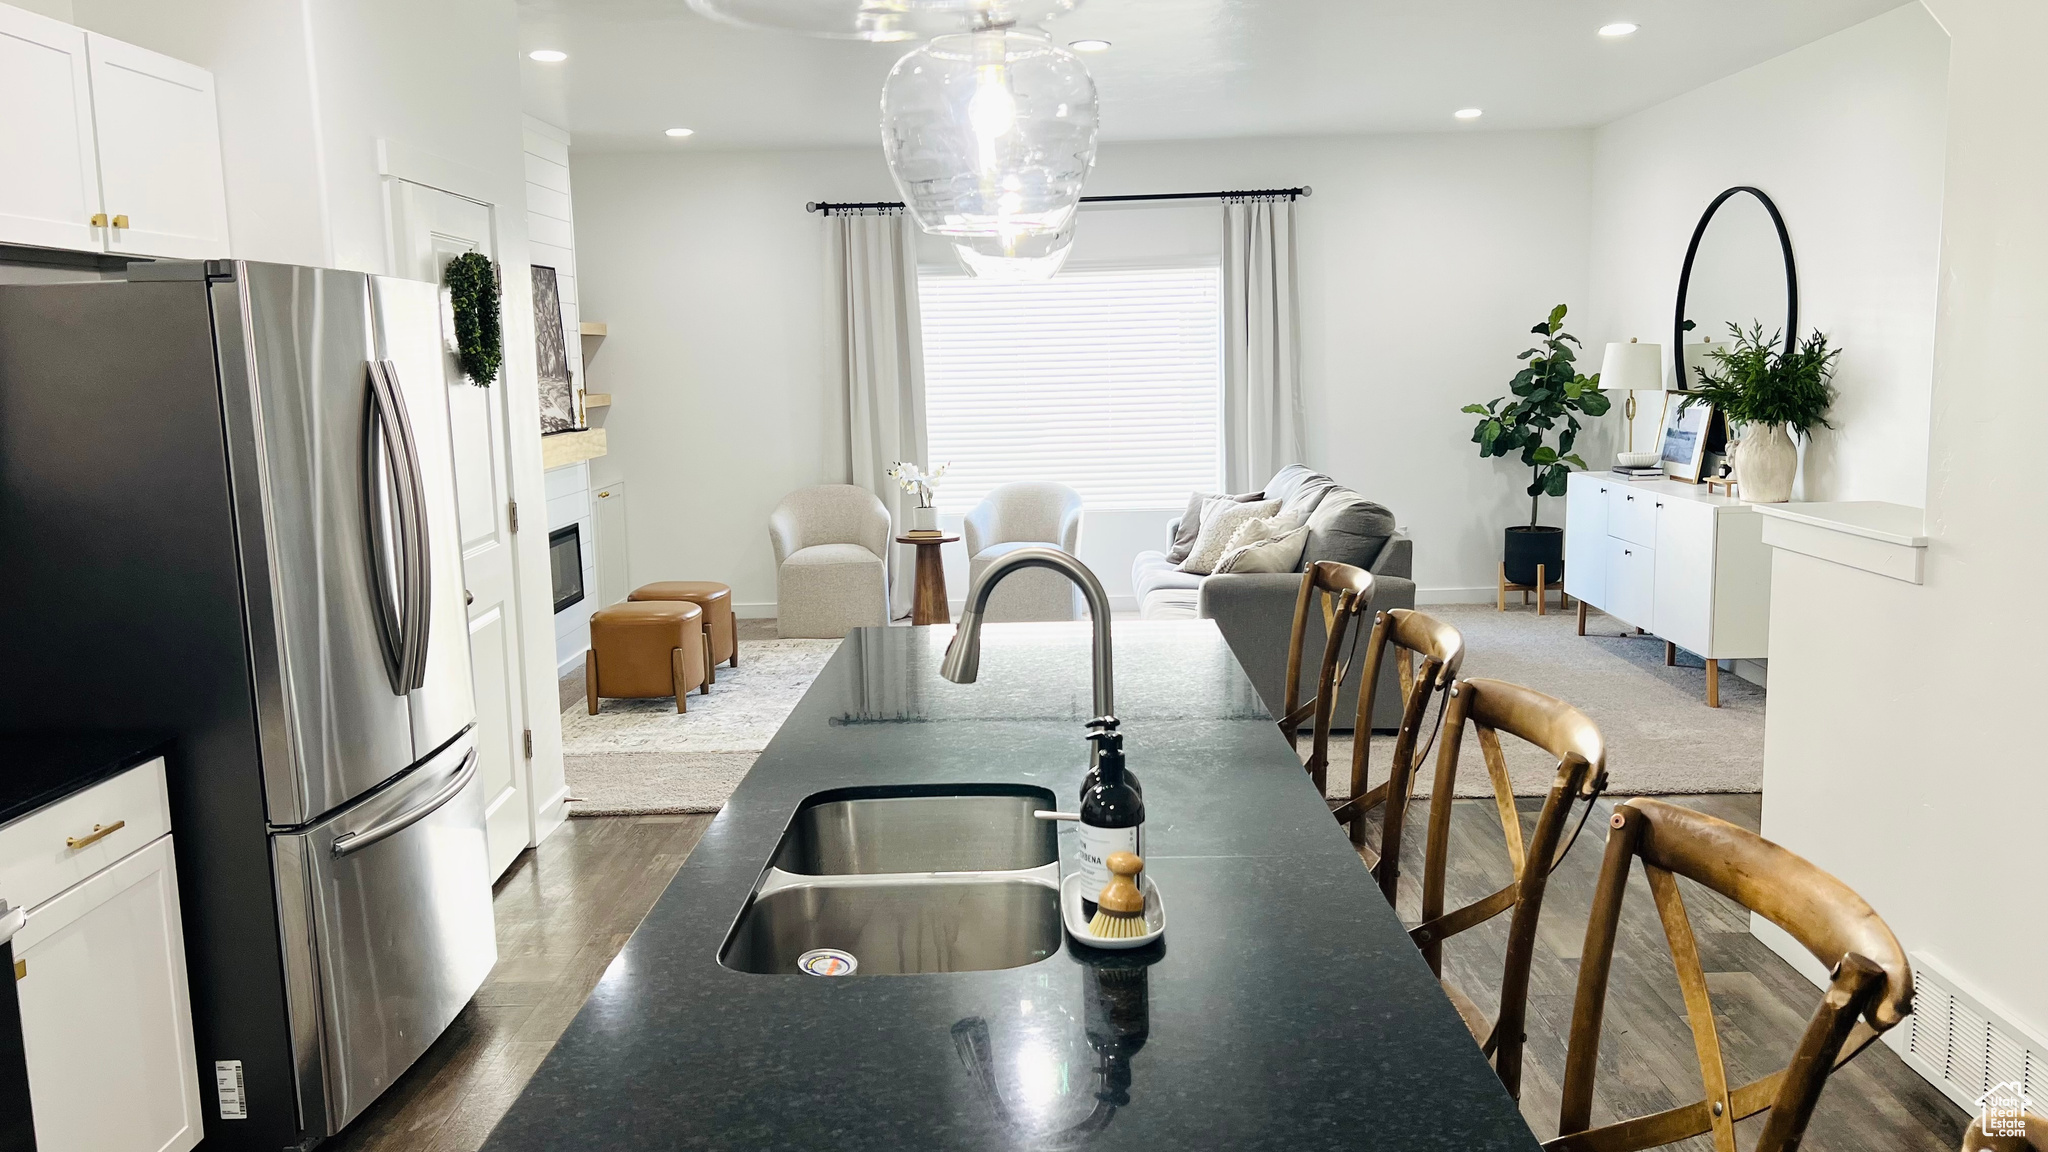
(159, 152)
(51, 188)
(429, 228)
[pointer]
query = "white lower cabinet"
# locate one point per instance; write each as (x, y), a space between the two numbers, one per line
(106, 1016)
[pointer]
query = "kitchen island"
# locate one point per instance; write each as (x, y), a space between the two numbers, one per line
(1284, 1009)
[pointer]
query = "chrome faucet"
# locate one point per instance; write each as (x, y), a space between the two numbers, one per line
(963, 655)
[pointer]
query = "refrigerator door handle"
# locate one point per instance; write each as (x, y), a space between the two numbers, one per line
(419, 563)
(385, 475)
(349, 843)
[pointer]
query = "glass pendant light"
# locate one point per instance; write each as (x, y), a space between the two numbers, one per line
(880, 19)
(1016, 258)
(990, 134)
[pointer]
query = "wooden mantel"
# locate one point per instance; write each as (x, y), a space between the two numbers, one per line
(565, 448)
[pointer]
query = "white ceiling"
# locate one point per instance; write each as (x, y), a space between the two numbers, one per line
(1179, 69)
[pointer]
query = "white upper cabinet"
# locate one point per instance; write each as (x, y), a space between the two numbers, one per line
(106, 147)
(159, 152)
(49, 176)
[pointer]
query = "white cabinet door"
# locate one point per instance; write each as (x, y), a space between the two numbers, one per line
(1585, 539)
(159, 151)
(1631, 514)
(1631, 582)
(49, 179)
(1684, 609)
(105, 1015)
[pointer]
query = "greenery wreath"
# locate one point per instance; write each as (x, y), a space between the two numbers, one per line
(479, 338)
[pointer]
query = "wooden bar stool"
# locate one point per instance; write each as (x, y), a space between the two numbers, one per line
(644, 650)
(1493, 707)
(721, 631)
(1343, 592)
(1410, 634)
(1871, 980)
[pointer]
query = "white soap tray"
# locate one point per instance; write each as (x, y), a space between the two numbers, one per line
(1072, 893)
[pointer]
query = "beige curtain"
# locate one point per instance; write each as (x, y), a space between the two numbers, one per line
(882, 360)
(1262, 419)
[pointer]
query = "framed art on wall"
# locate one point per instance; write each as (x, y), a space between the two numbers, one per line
(1683, 442)
(560, 405)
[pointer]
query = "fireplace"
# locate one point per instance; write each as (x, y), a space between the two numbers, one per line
(565, 560)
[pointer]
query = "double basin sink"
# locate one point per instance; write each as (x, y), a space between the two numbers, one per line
(895, 881)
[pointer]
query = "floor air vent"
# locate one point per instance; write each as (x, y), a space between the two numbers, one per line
(1965, 1048)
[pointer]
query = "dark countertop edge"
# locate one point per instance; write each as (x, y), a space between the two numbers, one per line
(39, 768)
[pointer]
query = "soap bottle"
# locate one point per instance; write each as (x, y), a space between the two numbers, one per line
(1112, 816)
(1096, 728)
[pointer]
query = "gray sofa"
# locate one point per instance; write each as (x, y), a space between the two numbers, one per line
(1255, 610)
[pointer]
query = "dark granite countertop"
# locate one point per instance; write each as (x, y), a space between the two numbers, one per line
(39, 768)
(1284, 1009)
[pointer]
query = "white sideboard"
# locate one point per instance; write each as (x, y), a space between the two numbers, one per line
(106, 1018)
(1684, 564)
(106, 147)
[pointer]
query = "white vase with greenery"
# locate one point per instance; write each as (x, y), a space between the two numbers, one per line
(1776, 396)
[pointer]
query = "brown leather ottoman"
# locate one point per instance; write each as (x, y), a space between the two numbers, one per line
(721, 633)
(645, 650)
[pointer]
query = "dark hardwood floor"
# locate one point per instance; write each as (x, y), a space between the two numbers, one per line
(565, 910)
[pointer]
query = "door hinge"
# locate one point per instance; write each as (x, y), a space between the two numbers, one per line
(512, 510)
(529, 743)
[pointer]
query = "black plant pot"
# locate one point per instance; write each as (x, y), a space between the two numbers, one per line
(1527, 547)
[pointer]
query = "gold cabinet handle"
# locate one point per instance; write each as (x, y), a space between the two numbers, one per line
(97, 834)
(120, 221)
(99, 220)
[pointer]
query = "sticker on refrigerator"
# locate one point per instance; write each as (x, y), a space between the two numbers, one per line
(227, 1077)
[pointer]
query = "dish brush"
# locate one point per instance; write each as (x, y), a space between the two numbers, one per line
(1120, 910)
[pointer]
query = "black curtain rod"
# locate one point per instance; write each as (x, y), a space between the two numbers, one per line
(1290, 193)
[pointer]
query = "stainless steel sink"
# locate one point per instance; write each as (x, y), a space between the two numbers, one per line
(889, 882)
(894, 929)
(919, 833)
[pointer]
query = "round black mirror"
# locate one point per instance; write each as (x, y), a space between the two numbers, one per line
(1732, 276)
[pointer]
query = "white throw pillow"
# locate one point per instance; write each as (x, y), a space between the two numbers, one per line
(1221, 518)
(1280, 553)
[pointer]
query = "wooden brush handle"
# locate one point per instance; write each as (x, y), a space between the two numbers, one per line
(1122, 895)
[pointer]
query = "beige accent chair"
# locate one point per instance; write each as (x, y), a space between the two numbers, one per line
(1027, 514)
(830, 575)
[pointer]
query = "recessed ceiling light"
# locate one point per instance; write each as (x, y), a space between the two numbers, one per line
(547, 55)
(1089, 45)
(681, 132)
(1467, 113)
(1622, 29)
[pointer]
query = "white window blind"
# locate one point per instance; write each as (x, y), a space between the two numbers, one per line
(1107, 380)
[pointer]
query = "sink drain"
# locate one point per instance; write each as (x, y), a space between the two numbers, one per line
(827, 962)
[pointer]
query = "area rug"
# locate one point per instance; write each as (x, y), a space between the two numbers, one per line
(638, 757)
(1661, 737)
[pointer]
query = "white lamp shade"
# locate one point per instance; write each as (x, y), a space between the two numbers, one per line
(1700, 356)
(1632, 367)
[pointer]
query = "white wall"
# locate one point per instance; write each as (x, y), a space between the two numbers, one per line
(1899, 748)
(1846, 135)
(1425, 259)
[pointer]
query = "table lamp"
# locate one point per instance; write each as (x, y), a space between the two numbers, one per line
(1632, 368)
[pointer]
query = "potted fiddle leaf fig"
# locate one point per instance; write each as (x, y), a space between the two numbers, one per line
(1547, 392)
(1765, 391)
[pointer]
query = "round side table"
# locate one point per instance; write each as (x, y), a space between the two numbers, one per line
(929, 606)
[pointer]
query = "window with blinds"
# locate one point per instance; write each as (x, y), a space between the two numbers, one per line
(1106, 380)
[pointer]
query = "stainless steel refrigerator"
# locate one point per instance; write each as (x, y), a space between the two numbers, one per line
(228, 510)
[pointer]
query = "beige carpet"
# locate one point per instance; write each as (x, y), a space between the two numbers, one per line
(1661, 736)
(640, 756)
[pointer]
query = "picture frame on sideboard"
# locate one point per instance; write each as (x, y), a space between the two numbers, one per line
(1682, 442)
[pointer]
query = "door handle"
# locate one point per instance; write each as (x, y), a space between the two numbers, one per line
(120, 221)
(99, 832)
(383, 473)
(349, 843)
(99, 220)
(420, 572)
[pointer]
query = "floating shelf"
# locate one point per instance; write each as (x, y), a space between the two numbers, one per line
(565, 448)
(597, 399)
(593, 328)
